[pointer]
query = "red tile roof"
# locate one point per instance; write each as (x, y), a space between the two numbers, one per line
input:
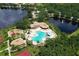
(24, 53)
(1, 39)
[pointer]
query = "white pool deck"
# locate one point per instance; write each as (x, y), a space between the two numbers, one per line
(32, 33)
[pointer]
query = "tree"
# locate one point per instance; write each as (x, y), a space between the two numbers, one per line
(42, 15)
(33, 50)
(24, 24)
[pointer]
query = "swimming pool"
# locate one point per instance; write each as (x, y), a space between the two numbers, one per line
(39, 36)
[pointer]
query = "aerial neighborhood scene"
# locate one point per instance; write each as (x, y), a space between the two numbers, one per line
(39, 29)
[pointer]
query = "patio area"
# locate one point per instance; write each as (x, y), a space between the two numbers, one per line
(39, 33)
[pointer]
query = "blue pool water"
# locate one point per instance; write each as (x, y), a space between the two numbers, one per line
(39, 36)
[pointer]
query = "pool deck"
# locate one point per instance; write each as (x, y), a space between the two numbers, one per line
(33, 32)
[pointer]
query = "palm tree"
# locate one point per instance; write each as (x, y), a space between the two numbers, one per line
(67, 19)
(56, 16)
(59, 15)
(46, 9)
(78, 21)
(71, 18)
(74, 21)
(51, 14)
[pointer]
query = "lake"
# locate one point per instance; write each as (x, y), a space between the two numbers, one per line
(64, 26)
(10, 16)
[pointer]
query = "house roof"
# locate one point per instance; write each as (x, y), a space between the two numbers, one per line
(39, 24)
(24, 53)
(18, 41)
(1, 39)
(14, 31)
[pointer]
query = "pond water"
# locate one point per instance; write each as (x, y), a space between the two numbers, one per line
(64, 26)
(10, 16)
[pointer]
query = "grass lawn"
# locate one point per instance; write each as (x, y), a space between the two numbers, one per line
(76, 33)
